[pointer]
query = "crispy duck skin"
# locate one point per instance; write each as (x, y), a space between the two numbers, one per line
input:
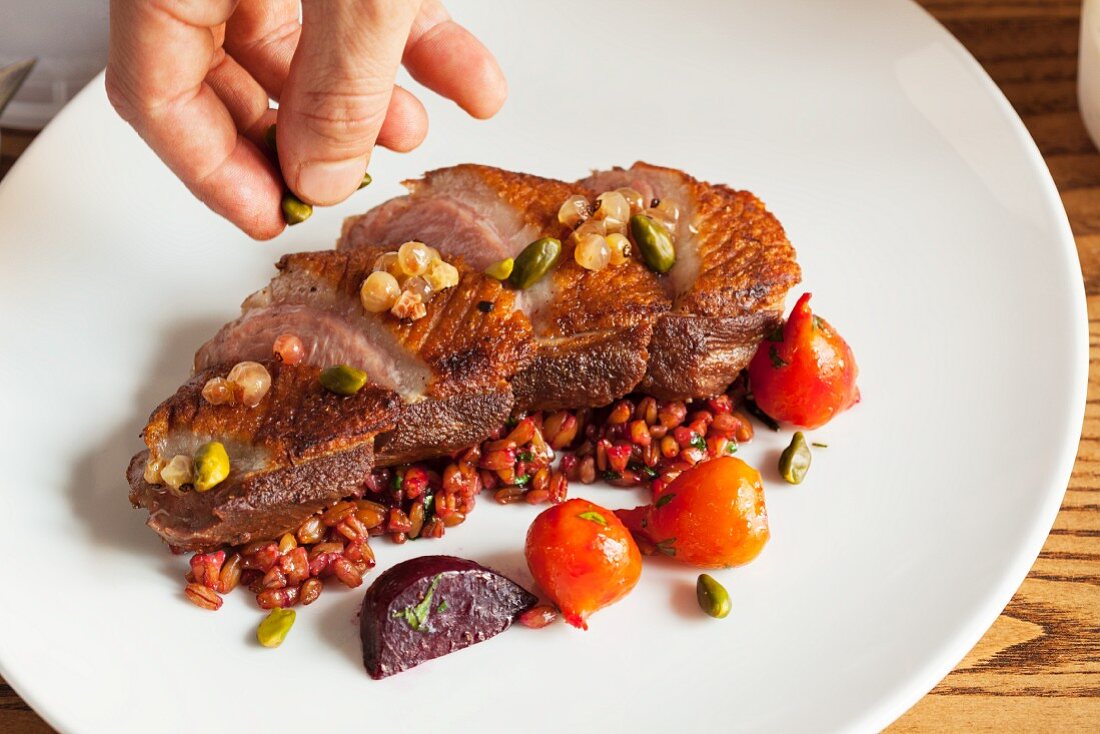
(452, 367)
(300, 449)
(734, 266)
(575, 339)
(592, 328)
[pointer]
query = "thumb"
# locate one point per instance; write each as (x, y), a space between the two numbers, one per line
(337, 93)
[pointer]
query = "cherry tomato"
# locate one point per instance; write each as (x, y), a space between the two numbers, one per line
(711, 516)
(806, 373)
(583, 557)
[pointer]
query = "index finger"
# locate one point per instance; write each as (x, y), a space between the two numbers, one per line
(160, 53)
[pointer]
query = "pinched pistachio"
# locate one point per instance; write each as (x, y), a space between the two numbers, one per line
(343, 379)
(536, 260)
(501, 269)
(795, 460)
(273, 630)
(712, 596)
(295, 211)
(210, 467)
(654, 243)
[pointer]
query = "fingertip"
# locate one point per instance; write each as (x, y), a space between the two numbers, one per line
(265, 228)
(493, 88)
(451, 61)
(406, 123)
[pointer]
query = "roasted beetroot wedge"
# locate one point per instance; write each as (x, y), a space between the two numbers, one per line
(433, 605)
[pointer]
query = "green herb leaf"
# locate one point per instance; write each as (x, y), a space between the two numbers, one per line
(525, 456)
(593, 516)
(417, 617)
(398, 482)
(611, 475)
(667, 547)
(699, 442)
(777, 361)
(815, 444)
(522, 481)
(664, 500)
(442, 606)
(731, 447)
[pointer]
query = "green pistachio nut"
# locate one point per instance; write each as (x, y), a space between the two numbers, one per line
(210, 466)
(795, 460)
(343, 379)
(536, 260)
(654, 243)
(713, 597)
(273, 630)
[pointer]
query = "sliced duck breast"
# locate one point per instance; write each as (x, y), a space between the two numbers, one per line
(734, 266)
(592, 328)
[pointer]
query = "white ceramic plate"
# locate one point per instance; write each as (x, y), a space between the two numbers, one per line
(928, 229)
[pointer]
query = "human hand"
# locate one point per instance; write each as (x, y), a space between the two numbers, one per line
(194, 78)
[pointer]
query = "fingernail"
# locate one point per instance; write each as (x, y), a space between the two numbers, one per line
(330, 182)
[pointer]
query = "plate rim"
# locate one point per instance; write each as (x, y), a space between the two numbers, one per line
(891, 707)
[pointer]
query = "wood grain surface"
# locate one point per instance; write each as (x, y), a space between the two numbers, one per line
(1037, 669)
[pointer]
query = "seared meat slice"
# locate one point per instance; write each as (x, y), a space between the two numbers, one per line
(300, 449)
(451, 368)
(733, 269)
(592, 328)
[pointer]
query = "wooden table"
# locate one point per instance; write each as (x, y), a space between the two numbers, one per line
(1038, 667)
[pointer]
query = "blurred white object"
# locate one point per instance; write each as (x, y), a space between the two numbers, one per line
(69, 37)
(1088, 72)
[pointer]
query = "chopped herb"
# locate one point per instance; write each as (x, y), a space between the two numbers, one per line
(777, 361)
(665, 499)
(817, 445)
(777, 335)
(667, 547)
(754, 410)
(640, 468)
(442, 606)
(699, 442)
(593, 516)
(398, 482)
(417, 617)
(611, 475)
(731, 447)
(522, 481)
(514, 419)
(485, 306)
(525, 456)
